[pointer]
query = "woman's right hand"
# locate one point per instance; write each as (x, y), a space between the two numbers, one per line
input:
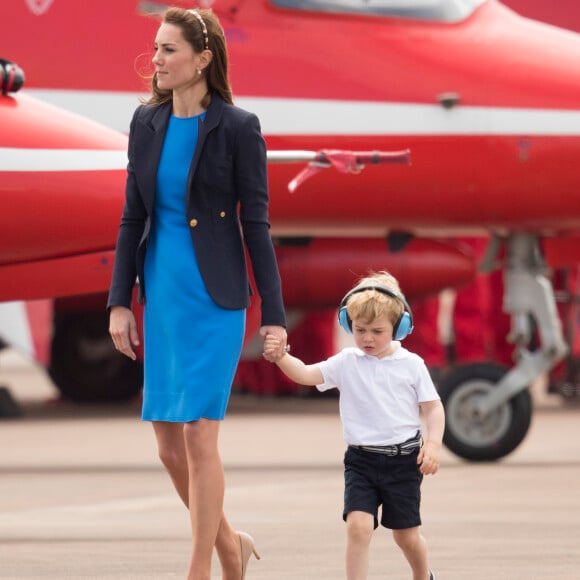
(123, 330)
(271, 347)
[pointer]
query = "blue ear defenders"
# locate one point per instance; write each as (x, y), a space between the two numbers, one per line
(402, 328)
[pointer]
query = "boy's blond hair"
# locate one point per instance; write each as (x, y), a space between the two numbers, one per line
(368, 305)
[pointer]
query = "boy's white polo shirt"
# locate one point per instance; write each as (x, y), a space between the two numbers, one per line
(379, 398)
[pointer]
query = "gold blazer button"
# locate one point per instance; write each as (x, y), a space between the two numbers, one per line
(222, 214)
(193, 223)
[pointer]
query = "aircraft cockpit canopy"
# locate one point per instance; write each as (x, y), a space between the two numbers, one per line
(433, 10)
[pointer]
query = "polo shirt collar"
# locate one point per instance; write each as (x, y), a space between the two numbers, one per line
(400, 352)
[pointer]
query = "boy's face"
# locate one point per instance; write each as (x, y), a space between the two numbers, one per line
(374, 338)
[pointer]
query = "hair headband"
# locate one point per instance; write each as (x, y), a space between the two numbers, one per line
(203, 28)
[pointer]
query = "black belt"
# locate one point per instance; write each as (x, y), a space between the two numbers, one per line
(406, 448)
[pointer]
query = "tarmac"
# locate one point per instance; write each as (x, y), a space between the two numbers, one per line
(82, 495)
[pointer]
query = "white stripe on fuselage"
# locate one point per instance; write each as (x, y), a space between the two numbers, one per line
(47, 160)
(326, 117)
(16, 159)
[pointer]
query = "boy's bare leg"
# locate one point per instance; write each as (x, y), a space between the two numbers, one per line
(414, 547)
(359, 532)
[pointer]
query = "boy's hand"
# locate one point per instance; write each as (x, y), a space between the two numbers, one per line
(428, 458)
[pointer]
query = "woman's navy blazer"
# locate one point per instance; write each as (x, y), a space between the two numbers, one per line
(227, 196)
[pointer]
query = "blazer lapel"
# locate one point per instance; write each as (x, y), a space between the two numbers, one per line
(155, 128)
(212, 118)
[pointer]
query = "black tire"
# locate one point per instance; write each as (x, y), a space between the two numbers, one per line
(85, 367)
(492, 437)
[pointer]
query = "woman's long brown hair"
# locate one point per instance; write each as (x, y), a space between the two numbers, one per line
(217, 70)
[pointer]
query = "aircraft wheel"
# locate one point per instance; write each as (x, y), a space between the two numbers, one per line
(85, 366)
(475, 438)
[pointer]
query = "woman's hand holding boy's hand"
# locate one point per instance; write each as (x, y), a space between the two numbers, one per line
(277, 345)
(273, 350)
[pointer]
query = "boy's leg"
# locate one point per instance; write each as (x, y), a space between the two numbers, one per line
(414, 547)
(359, 531)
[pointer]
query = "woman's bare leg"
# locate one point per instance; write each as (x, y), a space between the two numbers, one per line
(206, 493)
(173, 455)
(171, 450)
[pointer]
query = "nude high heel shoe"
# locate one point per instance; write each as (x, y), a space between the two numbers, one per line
(247, 548)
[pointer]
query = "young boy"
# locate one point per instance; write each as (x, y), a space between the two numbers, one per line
(383, 387)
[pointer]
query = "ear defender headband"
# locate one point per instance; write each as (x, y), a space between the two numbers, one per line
(401, 329)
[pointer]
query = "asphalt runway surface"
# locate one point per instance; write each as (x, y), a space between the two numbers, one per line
(82, 495)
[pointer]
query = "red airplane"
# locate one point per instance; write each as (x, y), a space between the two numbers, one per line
(482, 97)
(64, 164)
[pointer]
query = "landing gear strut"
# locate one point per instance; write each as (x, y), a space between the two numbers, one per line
(488, 408)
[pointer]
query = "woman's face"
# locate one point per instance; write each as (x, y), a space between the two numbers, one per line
(175, 61)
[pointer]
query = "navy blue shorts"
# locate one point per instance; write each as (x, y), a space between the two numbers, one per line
(374, 479)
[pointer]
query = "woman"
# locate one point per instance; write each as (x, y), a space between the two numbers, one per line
(196, 177)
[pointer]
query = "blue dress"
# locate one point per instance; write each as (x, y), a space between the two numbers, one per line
(191, 345)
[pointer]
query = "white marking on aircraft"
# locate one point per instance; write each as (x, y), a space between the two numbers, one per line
(33, 160)
(329, 117)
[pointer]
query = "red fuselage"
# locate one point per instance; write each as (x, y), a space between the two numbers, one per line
(503, 158)
(487, 105)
